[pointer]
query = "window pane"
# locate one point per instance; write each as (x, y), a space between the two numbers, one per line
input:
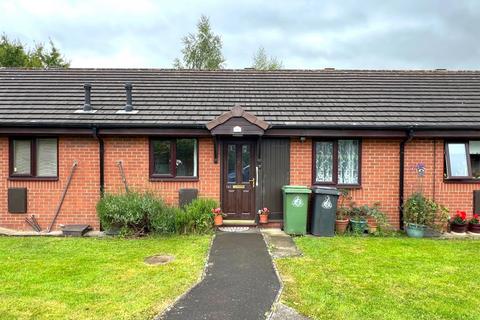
(245, 163)
(161, 157)
(348, 161)
(231, 161)
(458, 160)
(21, 156)
(324, 161)
(186, 157)
(47, 157)
(475, 158)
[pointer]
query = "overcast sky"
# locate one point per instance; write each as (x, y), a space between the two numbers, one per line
(357, 34)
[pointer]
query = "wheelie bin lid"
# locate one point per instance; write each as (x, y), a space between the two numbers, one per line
(326, 190)
(296, 189)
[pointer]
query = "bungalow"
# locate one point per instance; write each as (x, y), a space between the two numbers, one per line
(236, 136)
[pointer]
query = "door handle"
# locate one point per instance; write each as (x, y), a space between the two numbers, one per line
(252, 181)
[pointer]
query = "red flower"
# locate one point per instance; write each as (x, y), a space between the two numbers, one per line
(475, 216)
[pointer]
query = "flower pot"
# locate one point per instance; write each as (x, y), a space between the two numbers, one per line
(415, 230)
(458, 228)
(372, 225)
(341, 226)
(218, 220)
(358, 226)
(263, 218)
(474, 228)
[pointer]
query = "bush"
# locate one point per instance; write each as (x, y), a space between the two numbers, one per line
(139, 213)
(132, 211)
(197, 217)
(420, 210)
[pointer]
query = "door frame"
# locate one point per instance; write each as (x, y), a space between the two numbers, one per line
(254, 145)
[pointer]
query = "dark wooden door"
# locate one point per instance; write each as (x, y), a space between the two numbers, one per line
(239, 179)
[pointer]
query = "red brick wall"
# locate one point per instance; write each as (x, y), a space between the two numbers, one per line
(134, 153)
(455, 196)
(380, 173)
(44, 196)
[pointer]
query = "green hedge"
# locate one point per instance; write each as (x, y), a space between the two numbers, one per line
(140, 213)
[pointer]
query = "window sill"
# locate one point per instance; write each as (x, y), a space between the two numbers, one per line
(338, 186)
(170, 179)
(461, 180)
(33, 178)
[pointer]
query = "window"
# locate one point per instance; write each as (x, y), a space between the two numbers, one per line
(337, 162)
(462, 159)
(173, 158)
(33, 158)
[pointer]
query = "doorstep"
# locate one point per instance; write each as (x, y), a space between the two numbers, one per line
(278, 224)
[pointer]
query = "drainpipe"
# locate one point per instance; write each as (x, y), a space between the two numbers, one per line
(402, 173)
(101, 153)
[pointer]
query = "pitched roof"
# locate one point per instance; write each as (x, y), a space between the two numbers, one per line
(287, 98)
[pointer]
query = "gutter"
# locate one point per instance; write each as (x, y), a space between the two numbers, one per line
(101, 159)
(401, 186)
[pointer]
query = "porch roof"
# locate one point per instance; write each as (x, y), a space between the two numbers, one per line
(284, 99)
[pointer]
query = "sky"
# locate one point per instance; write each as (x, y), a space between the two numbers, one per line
(366, 34)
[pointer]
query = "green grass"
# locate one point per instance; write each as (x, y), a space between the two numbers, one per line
(80, 278)
(383, 278)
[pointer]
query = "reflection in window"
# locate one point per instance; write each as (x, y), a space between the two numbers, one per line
(186, 157)
(231, 160)
(161, 156)
(245, 163)
(457, 160)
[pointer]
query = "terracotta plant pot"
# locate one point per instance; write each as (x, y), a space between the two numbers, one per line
(372, 225)
(474, 228)
(218, 220)
(341, 226)
(458, 228)
(263, 218)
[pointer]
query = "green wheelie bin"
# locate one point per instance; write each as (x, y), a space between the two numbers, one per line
(295, 209)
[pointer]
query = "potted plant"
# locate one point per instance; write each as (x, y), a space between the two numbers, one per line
(218, 216)
(341, 222)
(474, 224)
(375, 218)
(358, 218)
(459, 222)
(418, 213)
(263, 215)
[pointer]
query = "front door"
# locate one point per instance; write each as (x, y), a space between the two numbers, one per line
(239, 179)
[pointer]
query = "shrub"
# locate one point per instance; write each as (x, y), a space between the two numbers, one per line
(197, 217)
(132, 211)
(420, 210)
(165, 220)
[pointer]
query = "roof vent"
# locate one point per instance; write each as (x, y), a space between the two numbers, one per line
(88, 93)
(129, 104)
(87, 106)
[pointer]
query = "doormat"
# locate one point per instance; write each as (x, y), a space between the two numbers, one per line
(234, 229)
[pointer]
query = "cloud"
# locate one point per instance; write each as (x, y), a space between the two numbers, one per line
(371, 34)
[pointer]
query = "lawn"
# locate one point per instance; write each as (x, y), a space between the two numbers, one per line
(383, 278)
(85, 278)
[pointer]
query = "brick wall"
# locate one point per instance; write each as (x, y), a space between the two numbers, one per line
(44, 196)
(454, 195)
(380, 173)
(134, 153)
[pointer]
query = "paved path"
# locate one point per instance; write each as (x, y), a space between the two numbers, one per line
(240, 282)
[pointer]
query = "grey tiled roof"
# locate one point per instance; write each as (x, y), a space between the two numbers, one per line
(288, 98)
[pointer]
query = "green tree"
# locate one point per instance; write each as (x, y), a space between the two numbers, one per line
(15, 54)
(203, 50)
(262, 62)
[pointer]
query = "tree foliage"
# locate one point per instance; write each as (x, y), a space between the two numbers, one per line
(262, 62)
(15, 54)
(203, 50)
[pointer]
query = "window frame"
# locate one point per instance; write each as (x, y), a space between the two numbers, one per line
(173, 157)
(334, 182)
(446, 159)
(33, 159)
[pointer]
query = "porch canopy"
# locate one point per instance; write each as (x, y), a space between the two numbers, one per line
(237, 122)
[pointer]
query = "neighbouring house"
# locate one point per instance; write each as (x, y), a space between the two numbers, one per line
(236, 136)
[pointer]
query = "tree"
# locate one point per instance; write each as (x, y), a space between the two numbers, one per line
(14, 54)
(203, 50)
(262, 62)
